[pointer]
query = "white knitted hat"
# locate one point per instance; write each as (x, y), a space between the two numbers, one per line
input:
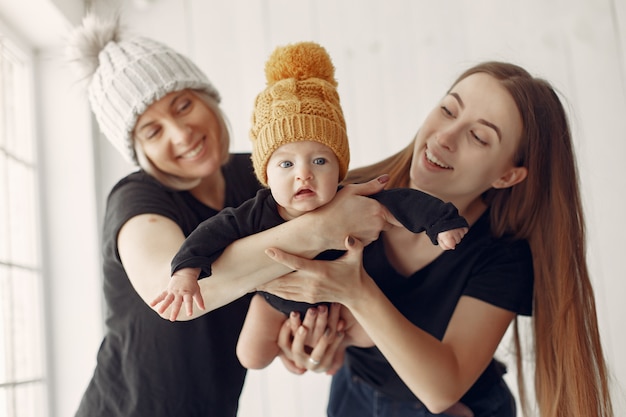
(129, 75)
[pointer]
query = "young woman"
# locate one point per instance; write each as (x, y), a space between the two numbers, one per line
(499, 147)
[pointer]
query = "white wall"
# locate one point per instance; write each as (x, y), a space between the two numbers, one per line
(394, 59)
(71, 251)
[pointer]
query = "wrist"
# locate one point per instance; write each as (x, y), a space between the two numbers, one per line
(187, 273)
(313, 233)
(363, 295)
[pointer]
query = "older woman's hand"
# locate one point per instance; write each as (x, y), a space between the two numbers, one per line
(352, 213)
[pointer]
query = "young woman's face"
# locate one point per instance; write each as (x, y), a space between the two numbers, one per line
(302, 176)
(467, 143)
(181, 136)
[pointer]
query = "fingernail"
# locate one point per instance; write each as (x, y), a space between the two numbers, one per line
(322, 309)
(270, 253)
(350, 240)
(383, 179)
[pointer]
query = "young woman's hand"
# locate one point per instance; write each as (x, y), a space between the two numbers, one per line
(314, 281)
(304, 347)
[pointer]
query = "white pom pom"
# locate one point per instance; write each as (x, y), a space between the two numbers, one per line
(87, 40)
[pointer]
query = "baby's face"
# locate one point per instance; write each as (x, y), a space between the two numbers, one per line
(302, 176)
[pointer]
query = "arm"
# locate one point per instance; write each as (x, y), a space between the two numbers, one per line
(441, 221)
(443, 370)
(438, 372)
(146, 244)
(348, 214)
(308, 235)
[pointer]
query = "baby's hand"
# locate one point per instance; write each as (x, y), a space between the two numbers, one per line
(182, 288)
(450, 238)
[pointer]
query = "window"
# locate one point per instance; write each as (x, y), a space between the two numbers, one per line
(22, 364)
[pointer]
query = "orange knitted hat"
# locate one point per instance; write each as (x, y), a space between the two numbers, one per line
(300, 103)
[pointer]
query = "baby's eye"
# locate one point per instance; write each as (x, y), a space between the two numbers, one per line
(285, 164)
(319, 161)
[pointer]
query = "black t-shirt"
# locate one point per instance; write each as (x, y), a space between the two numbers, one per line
(148, 366)
(497, 271)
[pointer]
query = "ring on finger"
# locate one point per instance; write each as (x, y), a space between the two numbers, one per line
(313, 362)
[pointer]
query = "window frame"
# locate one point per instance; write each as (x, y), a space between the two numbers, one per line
(25, 392)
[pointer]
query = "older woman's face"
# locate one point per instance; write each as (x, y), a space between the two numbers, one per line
(466, 144)
(180, 135)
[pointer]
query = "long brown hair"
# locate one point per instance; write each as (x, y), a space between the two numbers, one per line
(571, 376)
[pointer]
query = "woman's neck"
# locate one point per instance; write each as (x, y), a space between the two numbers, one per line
(473, 210)
(211, 191)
